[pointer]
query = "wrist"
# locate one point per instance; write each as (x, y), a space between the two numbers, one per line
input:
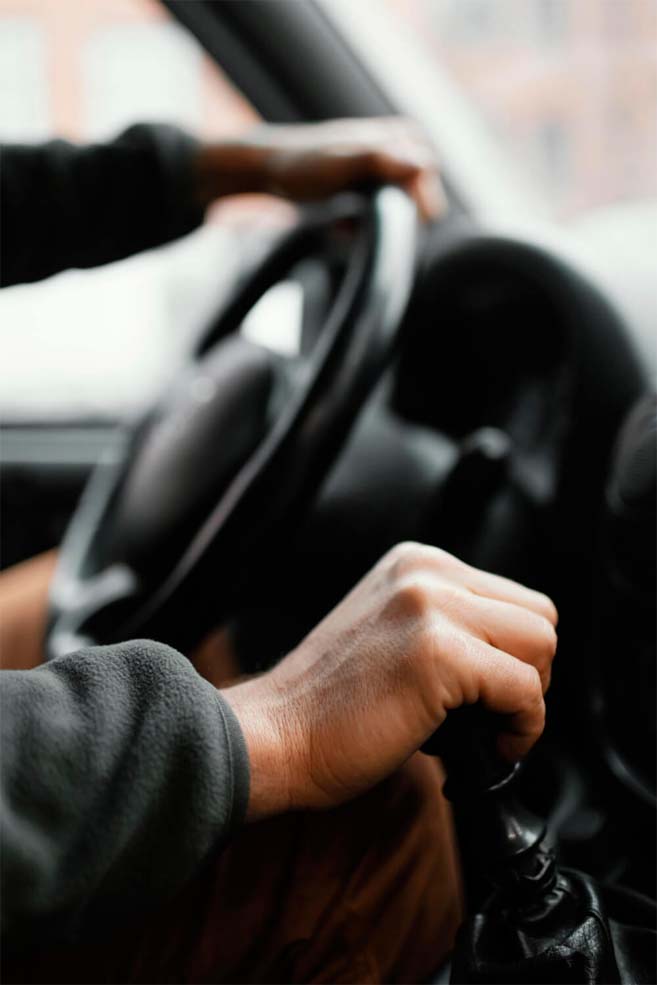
(231, 168)
(268, 738)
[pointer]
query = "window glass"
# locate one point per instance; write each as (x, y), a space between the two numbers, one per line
(568, 87)
(100, 343)
(23, 79)
(137, 72)
(87, 70)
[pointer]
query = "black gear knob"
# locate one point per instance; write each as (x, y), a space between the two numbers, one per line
(502, 844)
(527, 920)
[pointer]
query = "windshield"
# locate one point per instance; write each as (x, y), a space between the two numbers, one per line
(100, 343)
(565, 88)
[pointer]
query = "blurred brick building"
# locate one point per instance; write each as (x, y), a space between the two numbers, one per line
(568, 85)
(83, 69)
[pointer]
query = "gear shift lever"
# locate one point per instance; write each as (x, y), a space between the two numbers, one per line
(527, 920)
(503, 845)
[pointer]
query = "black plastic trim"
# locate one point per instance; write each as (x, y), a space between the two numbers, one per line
(324, 79)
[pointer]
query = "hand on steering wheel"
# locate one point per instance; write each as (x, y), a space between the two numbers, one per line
(213, 478)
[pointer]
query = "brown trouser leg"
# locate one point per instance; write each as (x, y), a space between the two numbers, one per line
(367, 892)
(23, 602)
(364, 893)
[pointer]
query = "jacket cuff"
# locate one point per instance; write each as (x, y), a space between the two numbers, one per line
(176, 152)
(239, 763)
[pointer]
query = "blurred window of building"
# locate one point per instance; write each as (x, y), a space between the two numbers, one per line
(552, 20)
(618, 17)
(140, 72)
(554, 152)
(467, 21)
(101, 343)
(547, 77)
(23, 79)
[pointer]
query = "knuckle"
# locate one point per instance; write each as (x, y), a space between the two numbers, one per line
(536, 731)
(453, 602)
(374, 158)
(547, 636)
(410, 554)
(549, 608)
(532, 689)
(413, 598)
(534, 707)
(546, 679)
(443, 559)
(407, 549)
(447, 563)
(404, 557)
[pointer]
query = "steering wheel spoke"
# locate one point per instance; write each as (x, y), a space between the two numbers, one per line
(215, 474)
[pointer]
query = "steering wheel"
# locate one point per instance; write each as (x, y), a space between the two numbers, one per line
(210, 481)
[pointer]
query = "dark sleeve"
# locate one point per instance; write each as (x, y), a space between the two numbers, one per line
(65, 206)
(121, 768)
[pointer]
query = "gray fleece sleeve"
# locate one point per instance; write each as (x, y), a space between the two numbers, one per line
(121, 768)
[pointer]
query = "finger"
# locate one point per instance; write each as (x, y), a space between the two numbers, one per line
(492, 586)
(516, 630)
(427, 191)
(403, 160)
(347, 168)
(308, 177)
(404, 169)
(447, 567)
(513, 689)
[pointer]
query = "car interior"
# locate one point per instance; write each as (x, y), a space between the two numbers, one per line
(457, 384)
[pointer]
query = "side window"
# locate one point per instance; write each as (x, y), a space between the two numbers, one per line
(24, 103)
(99, 343)
(568, 87)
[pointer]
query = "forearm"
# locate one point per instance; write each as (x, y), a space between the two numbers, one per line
(68, 206)
(121, 769)
(65, 205)
(230, 168)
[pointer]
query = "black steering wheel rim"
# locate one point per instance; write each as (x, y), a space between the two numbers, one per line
(93, 602)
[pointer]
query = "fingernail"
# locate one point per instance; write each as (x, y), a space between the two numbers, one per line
(432, 195)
